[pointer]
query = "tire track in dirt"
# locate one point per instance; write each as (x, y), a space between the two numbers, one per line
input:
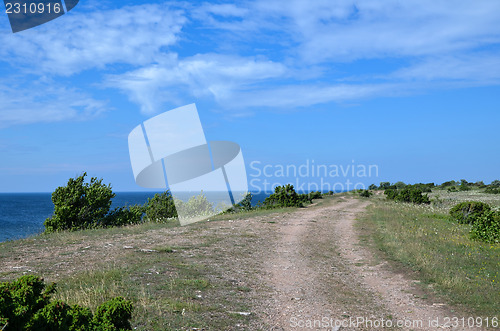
(318, 269)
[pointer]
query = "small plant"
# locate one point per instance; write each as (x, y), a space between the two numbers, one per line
(468, 212)
(365, 193)
(196, 206)
(492, 190)
(283, 196)
(408, 194)
(25, 305)
(487, 227)
(121, 216)
(309, 197)
(160, 207)
(79, 205)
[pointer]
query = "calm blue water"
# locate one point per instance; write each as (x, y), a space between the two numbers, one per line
(23, 214)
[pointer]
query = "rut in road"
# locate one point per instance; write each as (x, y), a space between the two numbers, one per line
(319, 273)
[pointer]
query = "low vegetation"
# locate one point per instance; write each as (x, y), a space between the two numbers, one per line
(25, 304)
(453, 242)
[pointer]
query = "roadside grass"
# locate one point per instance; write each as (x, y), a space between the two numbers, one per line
(465, 272)
(178, 278)
(446, 200)
(170, 286)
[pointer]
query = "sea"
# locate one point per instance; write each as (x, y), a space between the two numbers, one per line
(22, 214)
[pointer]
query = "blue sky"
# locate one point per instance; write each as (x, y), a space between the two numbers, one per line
(409, 86)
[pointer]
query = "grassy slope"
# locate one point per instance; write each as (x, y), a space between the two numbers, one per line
(465, 272)
(177, 277)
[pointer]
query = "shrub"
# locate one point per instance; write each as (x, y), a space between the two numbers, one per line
(114, 315)
(391, 193)
(160, 207)
(448, 184)
(492, 190)
(54, 316)
(21, 299)
(79, 205)
(408, 194)
(283, 196)
(25, 305)
(496, 183)
(373, 187)
(365, 193)
(487, 227)
(309, 197)
(244, 205)
(468, 212)
(121, 216)
(384, 185)
(195, 206)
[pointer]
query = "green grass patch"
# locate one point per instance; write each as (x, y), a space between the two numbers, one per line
(466, 272)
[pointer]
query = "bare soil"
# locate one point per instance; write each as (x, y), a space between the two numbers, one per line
(307, 269)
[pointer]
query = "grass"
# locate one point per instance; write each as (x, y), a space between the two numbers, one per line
(170, 285)
(422, 238)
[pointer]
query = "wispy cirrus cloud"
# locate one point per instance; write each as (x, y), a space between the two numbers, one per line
(266, 54)
(430, 45)
(79, 41)
(202, 75)
(45, 102)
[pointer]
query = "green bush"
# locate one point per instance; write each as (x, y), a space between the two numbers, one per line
(121, 216)
(309, 197)
(160, 207)
(21, 299)
(487, 227)
(284, 196)
(244, 205)
(408, 194)
(25, 305)
(196, 206)
(384, 185)
(468, 212)
(365, 193)
(114, 315)
(492, 190)
(79, 205)
(373, 187)
(391, 193)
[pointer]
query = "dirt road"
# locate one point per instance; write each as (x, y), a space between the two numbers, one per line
(307, 269)
(323, 278)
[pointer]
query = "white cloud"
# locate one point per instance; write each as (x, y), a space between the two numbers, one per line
(336, 31)
(41, 102)
(264, 53)
(473, 68)
(207, 75)
(79, 40)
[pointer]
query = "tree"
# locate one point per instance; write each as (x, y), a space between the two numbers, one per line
(160, 207)
(384, 185)
(26, 304)
(283, 196)
(399, 185)
(79, 205)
